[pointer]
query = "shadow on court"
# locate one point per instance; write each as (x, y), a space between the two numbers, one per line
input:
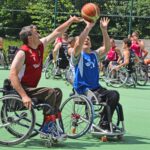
(83, 143)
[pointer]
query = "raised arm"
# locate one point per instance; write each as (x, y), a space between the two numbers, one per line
(58, 31)
(55, 51)
(80, 40)
(106, 39)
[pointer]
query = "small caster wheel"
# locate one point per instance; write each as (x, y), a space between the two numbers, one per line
(104, 139)
(48, 144)
(73, 130)
(120, 137)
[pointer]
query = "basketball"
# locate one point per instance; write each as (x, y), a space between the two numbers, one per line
(90, 12)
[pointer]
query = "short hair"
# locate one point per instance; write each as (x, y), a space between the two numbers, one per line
(71, 39)
(25, 32)
(65, 34)
(112, 39)
(136, 33)
(127, 41)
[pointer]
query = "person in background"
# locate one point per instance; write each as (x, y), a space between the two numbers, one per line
(138, 46)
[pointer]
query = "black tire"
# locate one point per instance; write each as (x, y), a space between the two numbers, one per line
(77, 118)
(142, 74)
(118, 78)
(49, 70)
(14, 122)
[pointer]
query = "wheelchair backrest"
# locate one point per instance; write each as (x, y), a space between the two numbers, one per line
(12, 50)
(7, 87)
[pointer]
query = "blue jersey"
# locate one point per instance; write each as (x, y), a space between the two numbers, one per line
(86, 73)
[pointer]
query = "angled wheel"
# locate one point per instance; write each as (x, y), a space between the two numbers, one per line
(16, 122)
(49, 71)
(117, 78)
(142, 74)
(77, 116)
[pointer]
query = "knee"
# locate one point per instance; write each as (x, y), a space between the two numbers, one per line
(115, 96)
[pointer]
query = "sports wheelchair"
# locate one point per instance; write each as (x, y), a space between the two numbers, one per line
(120, 78)
(81, 114)
(17, 123)
(11, 53)
(3, 59)
(57, 70)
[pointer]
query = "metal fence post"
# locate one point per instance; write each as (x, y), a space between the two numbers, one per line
(55, 14)
(130, 17)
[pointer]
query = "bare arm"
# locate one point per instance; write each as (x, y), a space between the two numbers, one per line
(126, 60)
(145, 53)
(80, 40)
(55, 51)
(119, 54)
(16, 66)
(103, 25)
(58, 31)
(143, 50)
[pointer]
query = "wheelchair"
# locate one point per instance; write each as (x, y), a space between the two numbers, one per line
(18, 123)
(11, 53)
(3, 59)
(57, 70)
(122, 77)
(81, 114)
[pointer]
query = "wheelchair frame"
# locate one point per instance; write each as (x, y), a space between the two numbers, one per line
(13, 113)
(77, 116)
(120, 78)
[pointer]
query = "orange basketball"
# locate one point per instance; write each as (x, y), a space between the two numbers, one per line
(90, 12)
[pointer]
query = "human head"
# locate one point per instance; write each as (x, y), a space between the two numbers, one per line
(71, 41)
(29, 34)
(87, 43)
(65, 36)
(35, 29)
(112, 42)
(1, 42)
(126, 43)
(135, 35)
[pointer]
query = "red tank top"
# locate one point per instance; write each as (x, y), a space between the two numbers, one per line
(30, 73)
(112, 55)
(136, 48)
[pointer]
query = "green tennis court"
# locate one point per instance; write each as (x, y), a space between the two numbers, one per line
(136, 105)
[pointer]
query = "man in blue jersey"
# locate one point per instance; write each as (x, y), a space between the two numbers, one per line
(87, 71)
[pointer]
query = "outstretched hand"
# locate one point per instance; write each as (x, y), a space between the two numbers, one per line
(76, 19)
(104, 22)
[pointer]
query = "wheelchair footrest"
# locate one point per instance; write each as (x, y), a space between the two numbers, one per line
(108, 133)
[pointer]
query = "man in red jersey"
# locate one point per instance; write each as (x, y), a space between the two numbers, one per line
(25, 74)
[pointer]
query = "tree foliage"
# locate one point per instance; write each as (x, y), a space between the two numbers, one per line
(15, 14)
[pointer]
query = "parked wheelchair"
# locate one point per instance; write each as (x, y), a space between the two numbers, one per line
(17, 123)
(58, 69)
(81, 114)
(3, 59)
(122, 77)
(11, 53)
